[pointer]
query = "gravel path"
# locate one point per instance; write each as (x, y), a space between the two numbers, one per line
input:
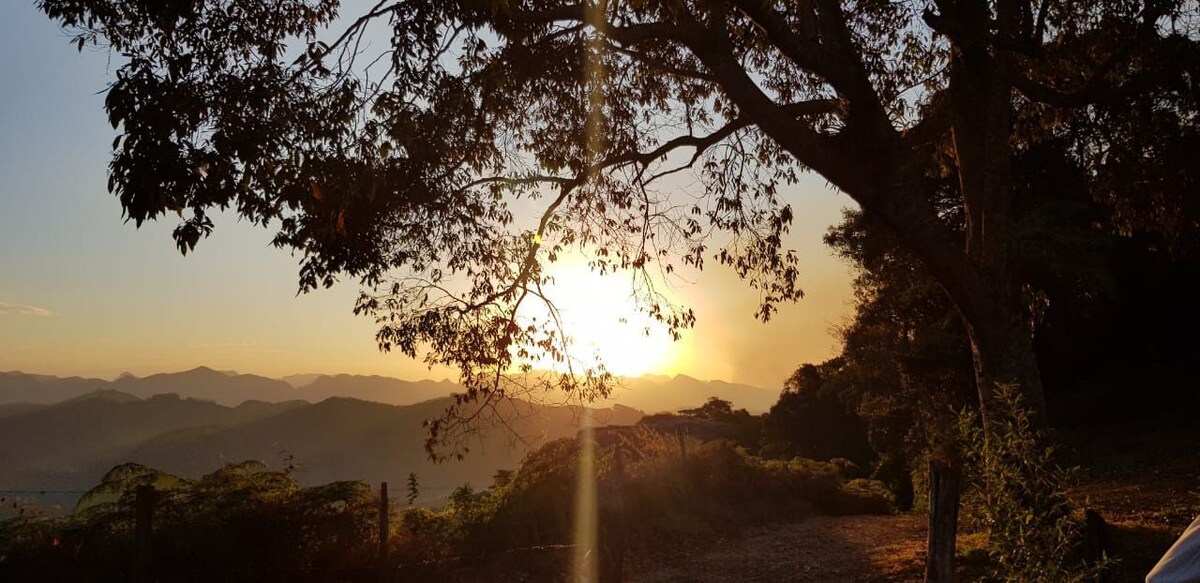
(875, 549)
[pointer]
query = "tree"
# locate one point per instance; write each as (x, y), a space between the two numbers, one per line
(414, 489)
(399, 168)
(815, 419)
(715, 408)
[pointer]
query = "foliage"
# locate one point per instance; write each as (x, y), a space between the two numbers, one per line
(657, 487)
(906, 365)
(747, 428)
(239, 523)
(655, 490)
(814, 419)
(401, 166)
(1018, 497)
(413, 489)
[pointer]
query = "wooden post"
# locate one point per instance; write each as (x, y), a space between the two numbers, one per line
(945, 487)
(142, 527)
(384, 531)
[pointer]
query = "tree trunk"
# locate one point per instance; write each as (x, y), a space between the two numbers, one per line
(945, 488)
(1002, 347)
(984, 289)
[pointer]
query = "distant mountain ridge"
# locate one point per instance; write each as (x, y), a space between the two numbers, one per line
(222, 387)
(48, 446)
(657, 394)
(650, 393)
(69, 445)
(64, 433)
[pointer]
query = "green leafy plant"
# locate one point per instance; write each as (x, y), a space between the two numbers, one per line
(1018, 496)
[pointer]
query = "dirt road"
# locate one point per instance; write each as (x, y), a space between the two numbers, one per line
(875, 549)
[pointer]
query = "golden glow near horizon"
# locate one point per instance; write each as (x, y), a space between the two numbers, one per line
(605, 325)
(122, 299)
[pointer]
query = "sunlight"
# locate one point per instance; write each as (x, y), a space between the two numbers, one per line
(587, 525)
(602, 318)
(586, 305)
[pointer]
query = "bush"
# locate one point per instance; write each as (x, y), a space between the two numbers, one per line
(656, 487)
(1018, 497)
(246, 523)
(240, 523)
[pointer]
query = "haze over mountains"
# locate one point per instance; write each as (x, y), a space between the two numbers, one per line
(225, 388)
(649, 393)
(65, 433)
(70, 445)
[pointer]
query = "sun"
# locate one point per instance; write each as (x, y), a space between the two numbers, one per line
(601, 316)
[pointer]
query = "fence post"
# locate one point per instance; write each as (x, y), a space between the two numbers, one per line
(384, 531)
(945, 488)
(142, 527)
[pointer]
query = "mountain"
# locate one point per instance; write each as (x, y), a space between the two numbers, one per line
(19, 387)
(376, 388)
(650, 393)
(105, 395)
(70, 444)
(13, 409)
(205, 383)
(301, 380)
(349, 439)
(655, 393)
(224, 387)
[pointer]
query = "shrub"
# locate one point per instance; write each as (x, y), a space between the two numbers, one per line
(242, 522)
(1017, 496)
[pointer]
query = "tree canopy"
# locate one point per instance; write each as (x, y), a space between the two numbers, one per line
(405, 166)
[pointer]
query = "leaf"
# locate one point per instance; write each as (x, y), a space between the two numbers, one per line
(316, 190)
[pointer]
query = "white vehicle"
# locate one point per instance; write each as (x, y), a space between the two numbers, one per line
(1181, 564)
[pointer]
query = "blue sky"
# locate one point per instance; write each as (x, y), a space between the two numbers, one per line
(83, 293)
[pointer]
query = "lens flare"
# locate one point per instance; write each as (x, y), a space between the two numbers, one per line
(587, 525)
(586, 516)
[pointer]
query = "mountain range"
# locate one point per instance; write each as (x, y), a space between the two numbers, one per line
(68, 446)
(650, 393)
(63, 434)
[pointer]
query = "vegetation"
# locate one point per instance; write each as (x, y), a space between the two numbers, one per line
(407, 164)
(247, 523)
(239, 523)
(1019, 498)
(1007, 157)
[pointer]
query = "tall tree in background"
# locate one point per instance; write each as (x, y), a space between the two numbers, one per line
(399, 166)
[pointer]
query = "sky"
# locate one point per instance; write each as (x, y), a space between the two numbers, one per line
(84, 293)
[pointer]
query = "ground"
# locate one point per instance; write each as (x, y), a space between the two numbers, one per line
(1143, 480)
(825, 548)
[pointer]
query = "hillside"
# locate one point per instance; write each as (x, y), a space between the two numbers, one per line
(69, 445)
(19, 387)
(340, 439)
(655, 394)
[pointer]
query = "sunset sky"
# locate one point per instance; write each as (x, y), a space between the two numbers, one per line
(82, 293)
